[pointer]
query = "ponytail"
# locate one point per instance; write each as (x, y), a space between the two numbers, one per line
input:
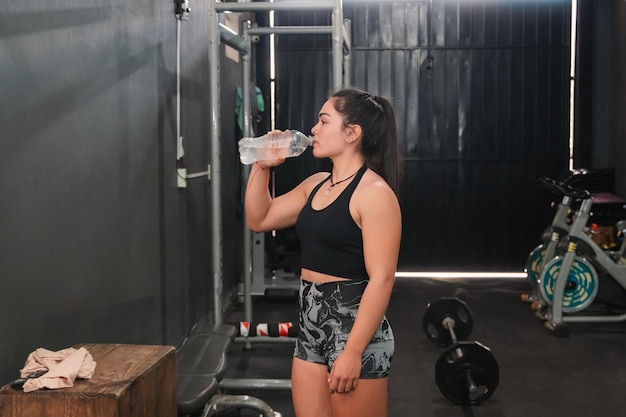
(379, 138)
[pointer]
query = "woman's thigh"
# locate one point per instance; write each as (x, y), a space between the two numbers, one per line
(368, 400)
(309, 389)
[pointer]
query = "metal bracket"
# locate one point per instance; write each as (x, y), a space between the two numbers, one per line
(182, 176)
(182, 9)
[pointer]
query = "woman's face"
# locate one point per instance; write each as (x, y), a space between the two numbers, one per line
(329, 133)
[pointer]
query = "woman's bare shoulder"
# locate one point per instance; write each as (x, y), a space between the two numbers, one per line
(373, 185)
(374, 202)
(374, 194)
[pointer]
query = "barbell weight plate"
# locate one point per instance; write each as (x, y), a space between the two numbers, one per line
(451, 370)
(437, 311)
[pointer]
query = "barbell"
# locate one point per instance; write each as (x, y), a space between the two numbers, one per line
(466, 372)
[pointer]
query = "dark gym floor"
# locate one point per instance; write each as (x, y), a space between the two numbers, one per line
(583, 375)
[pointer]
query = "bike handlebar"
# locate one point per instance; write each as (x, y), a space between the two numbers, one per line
(561, 188)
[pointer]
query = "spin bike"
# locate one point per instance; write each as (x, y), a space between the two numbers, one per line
(545, 251)
(569, 282)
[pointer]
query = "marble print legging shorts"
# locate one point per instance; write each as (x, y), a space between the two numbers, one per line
(327, 313)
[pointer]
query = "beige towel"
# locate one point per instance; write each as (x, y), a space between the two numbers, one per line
(63, 366)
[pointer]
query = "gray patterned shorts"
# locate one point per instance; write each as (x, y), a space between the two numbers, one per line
(327, 313)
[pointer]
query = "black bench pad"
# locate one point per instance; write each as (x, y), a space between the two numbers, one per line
(200, 365)
(204, 355)
(194, 392)
(215, 329)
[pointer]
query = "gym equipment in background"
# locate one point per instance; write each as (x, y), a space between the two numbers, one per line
(466, 372)
(570, 282)
(549, 239)
(269, 329)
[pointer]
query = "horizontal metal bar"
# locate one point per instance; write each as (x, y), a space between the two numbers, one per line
(199, 174)
(254, 383)
(291, 30)
(478, 159)
(462, 275)
(594, 319)
(460, 48)
(277, 6)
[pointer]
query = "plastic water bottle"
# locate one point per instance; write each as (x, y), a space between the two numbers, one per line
(272, 146)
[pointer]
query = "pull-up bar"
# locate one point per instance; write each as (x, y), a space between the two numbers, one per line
(335, 6)
(277, 6)
(292, 30)
(232, 39)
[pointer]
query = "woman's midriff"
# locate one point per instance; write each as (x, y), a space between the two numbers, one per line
(313, 276)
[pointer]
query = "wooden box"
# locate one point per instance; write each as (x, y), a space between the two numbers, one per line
(129, 381)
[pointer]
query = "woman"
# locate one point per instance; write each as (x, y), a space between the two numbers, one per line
(349, 226)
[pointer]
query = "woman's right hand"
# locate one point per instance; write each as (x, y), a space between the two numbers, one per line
(269, 163)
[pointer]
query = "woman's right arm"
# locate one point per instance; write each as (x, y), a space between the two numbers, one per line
(264, 213)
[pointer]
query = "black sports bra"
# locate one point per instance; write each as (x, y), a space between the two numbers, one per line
(331, 241)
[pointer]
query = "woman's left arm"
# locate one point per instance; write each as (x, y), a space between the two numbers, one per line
(381, 226)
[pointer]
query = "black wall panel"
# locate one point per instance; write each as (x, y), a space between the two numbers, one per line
(97, 243)
(481, 91)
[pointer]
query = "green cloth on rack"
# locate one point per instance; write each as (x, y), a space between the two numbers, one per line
(260, 105)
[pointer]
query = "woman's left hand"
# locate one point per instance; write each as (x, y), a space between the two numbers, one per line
(344, 375)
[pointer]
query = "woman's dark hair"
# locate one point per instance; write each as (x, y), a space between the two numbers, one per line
(379, 137)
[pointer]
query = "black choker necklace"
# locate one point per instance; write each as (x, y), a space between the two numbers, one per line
(332, 184)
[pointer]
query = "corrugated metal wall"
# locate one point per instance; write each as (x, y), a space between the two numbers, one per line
(481, 91)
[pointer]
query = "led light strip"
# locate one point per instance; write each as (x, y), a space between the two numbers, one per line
(461, 275)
